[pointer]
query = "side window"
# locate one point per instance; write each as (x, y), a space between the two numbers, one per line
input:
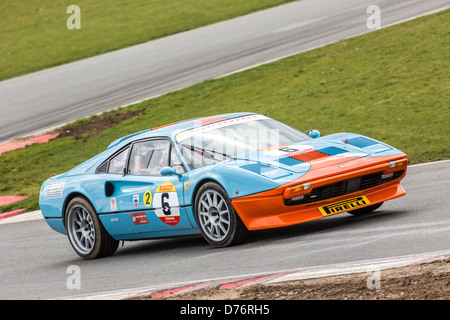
(149, 157)
(118, 162)
(103, 168)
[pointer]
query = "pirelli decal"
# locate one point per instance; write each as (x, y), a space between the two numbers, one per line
(344, 205)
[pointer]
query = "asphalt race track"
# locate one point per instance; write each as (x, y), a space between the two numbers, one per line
(34, 260)
(63, 94)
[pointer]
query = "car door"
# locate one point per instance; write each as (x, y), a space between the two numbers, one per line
(153, 202)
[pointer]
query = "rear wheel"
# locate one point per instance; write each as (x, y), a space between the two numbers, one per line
(215, 215)
(86, 234)
(366, 210)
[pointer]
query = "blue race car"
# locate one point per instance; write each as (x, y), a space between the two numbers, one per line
(220, 177)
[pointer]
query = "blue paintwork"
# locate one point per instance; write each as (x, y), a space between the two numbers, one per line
(242, 175)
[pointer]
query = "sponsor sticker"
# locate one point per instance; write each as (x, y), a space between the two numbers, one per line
(139, 218)
(54, 190)
(113, 204)
(344, 205)
(166, 204)
(221, 124)
(135, 200)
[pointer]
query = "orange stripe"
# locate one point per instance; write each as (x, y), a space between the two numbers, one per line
(207, 120)
(309, 156)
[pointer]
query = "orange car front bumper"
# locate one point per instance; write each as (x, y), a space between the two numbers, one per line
(269, 210)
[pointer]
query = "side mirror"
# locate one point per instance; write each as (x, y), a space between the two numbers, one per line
(314, 134)
(168, 171)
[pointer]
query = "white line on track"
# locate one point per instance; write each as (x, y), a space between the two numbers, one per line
(429, 163)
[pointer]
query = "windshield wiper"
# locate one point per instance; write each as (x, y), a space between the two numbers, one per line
(206, 152)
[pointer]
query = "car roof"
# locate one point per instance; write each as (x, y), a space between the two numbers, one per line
(171, 129)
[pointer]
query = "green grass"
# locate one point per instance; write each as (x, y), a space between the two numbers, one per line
(391, 84)
(34, 35)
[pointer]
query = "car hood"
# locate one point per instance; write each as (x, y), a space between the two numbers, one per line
(297, 159)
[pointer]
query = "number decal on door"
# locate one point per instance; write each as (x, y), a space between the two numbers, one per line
(147, 198)
(166, 204)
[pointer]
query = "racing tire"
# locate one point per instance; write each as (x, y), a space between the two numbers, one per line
(365, 210)
(86, 233)
(218, 221)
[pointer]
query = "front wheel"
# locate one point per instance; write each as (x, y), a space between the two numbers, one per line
(215, 215)
(86, 234)
(366, 210)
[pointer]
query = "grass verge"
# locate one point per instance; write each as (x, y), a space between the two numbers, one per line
(391, 84)
(34, 35)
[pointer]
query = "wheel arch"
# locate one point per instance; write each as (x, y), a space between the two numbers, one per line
(204, 181)
(69, 198)
(200, 184)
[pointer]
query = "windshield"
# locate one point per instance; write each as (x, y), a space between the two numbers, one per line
(220, 141)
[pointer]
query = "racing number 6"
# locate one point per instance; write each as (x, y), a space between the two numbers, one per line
(165, 204)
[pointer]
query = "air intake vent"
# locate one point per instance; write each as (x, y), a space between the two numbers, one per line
(345, 187)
